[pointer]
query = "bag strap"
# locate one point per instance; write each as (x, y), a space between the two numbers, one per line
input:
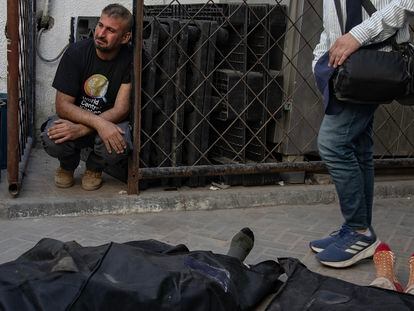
(371, 9)
(366, 4)
(340, 15)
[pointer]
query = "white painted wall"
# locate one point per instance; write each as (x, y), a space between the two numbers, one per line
(54, 40)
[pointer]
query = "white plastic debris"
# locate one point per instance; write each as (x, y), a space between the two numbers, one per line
(220, 185)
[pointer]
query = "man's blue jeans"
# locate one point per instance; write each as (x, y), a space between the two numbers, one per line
(346, 146)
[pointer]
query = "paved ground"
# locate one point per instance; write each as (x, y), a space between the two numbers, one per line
(283, 227)
(280, 231)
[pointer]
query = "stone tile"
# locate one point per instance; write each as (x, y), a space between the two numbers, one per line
(289, 238)
(12, 243)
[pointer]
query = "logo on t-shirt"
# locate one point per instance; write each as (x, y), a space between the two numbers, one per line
(95, 88)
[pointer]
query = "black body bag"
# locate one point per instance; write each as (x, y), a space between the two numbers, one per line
(370, 76)
(140, 275)
(310, 291)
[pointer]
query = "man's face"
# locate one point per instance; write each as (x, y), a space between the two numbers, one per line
(110, 33)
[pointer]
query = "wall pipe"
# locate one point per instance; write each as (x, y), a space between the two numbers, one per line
(12, 34)
(14, 187)
(44, 22)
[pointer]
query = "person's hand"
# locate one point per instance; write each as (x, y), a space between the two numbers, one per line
(111, 135)
(64, 130)
(342, 48)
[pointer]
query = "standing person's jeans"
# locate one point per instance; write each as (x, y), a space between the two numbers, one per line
(346, 146)
(68, 153)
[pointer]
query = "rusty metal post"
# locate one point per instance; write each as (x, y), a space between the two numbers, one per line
(14, 188)
(133, 161)
(12, 34)
(262, 168)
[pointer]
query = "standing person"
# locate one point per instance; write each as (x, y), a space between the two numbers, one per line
(345, 138)
(93, 84)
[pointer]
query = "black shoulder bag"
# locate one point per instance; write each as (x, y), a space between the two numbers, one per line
(370, 76)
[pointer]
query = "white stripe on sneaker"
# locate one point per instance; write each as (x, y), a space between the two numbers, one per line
(362, 243)
(358, 248)
(352, 251)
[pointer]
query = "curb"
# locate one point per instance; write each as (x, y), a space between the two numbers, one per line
(191, 200)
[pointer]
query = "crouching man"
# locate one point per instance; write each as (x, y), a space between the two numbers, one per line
(93, 86)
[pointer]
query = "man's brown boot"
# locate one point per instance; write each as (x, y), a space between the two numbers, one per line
(91, 180)
(63, 178)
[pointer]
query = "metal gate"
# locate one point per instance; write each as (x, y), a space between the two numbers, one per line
(222, 91)
(227, 89)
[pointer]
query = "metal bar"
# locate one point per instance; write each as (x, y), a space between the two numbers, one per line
(14, 187)
(25, 58)
(32, 67)
(292, 39)
(256, 168)
(133, 161)
(12, 34)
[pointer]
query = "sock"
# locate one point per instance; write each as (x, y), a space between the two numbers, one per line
(365, 232)
(241, 244)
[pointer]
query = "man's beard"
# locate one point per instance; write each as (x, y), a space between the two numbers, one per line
(101, 48)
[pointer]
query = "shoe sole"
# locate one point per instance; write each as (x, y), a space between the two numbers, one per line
(64, 185)
(91, 188)
(368, 252)
(316, 249)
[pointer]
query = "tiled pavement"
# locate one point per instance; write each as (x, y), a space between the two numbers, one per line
(280, 231)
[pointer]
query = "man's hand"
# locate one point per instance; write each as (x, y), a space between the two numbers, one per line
(111, 135)
(64, 130)
(343, 47)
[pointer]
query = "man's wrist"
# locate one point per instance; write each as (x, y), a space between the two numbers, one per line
(100, 123)
(84, 130)
(360, 34)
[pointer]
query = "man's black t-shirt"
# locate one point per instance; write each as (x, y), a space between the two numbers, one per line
(92, 81)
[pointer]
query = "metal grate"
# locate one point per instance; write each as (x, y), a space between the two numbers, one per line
(227, 89)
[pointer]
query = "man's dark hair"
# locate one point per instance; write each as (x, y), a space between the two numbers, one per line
(118, 10)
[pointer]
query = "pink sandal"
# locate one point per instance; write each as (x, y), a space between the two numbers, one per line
(410, 286)
(384, 260)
